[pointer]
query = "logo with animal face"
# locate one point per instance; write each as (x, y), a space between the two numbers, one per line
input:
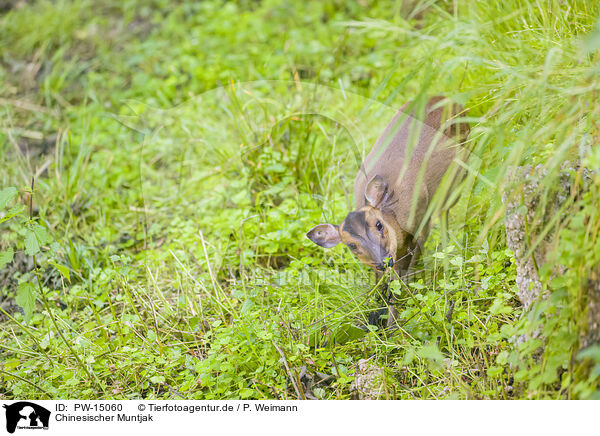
(26, 415)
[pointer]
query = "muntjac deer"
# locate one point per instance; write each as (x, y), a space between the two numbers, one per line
(395, 185)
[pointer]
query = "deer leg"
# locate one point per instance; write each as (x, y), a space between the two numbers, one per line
(383, 300)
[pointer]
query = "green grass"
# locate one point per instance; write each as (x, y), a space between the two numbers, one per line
(181, 151)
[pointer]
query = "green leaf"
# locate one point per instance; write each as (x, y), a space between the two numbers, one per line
(42, 234)
(6, 257)
(151, 334)
(6, 196)
(409, 356)
(275, 168)
(457, 261)
(246, 393)
(591, 42)
(13, 211)
(432, 355)
(73, 257)
(430, 351)
(32, 246)
(494, 371)
(12, 364)
(157, 379)
(26, 298)
(417, 285)
(591, 352)
(61, 269)
(502, 358)
(347, 332)
(247, 306)
(476, 259)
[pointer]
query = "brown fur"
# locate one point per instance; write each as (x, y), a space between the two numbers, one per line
(395, 185)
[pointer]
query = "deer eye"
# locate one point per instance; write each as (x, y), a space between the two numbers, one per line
(379, 226)
(352, 246)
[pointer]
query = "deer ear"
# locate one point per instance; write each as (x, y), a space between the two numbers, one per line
(376, 191)
(325, 235)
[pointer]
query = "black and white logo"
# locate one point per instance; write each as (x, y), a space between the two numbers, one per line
(26, 415)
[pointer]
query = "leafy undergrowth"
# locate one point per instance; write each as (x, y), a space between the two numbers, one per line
(164, 256)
